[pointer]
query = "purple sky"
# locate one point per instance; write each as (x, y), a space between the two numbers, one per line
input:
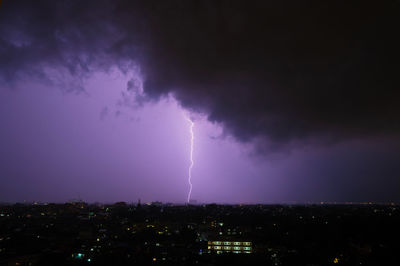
(292, 100)
(58, 146)
(64, 145)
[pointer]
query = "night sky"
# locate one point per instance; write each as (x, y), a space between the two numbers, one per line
(293, 101)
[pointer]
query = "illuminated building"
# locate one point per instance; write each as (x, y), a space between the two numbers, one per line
(220, 246)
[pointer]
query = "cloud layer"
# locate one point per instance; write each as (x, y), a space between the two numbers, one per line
(279, 72)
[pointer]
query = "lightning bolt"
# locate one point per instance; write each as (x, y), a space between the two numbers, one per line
(191, 157)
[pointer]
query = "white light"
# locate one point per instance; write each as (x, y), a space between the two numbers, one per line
(191, 157)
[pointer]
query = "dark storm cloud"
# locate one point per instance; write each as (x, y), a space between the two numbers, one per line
(285, 71)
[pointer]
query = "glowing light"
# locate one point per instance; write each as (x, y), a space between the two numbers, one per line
(79, 256)
(191, 157)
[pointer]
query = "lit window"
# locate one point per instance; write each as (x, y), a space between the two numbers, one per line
(227, 243)
(247, 243)
(217, 247)
(246, 248)
(237, 243)
(227, 248)
(217, 243)
(236, 248)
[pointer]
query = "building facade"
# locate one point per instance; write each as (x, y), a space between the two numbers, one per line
(238, 247)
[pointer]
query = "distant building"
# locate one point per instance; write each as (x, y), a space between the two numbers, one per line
(220, 246)
(120, 204)
(157, 203)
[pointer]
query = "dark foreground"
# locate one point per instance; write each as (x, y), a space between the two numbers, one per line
(121, 234)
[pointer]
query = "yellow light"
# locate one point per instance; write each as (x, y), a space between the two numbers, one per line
(335, 260)
(154, 259)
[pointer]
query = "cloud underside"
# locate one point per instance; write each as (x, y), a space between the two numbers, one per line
(282, 72)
